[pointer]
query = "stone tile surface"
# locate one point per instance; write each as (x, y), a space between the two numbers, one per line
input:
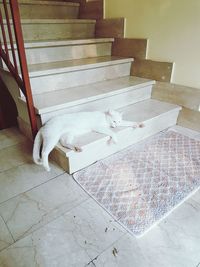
(13, 156)
(24, 177)
(71, 240)
(175, 242)
(32, 209)
(58, 225)
(5, 237)
(10, 137)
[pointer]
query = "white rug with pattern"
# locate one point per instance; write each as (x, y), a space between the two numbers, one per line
(139, 186)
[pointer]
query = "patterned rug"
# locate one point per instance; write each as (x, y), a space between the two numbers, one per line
(142, 184)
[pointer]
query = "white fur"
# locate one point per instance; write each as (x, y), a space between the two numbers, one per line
(68, 126)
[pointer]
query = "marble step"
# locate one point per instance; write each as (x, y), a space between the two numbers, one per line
(156, 116)
(114, 94)
(57, 29)
(30, 9)
(45, 77)
(51, 51)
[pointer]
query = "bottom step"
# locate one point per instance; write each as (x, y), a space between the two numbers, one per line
(156, 116)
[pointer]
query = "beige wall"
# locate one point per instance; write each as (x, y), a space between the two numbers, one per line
(173, 30)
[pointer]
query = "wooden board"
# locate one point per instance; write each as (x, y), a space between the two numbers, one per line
(110, 28)
(91, 10)
(130, 47)
(159, 71)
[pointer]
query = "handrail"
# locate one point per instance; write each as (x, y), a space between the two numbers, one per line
(8, 36)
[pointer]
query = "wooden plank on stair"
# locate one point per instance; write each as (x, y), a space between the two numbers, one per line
(149, 69)
(130, 47)
(110, 28)
(91, 10)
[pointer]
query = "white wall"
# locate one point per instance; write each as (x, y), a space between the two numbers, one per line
(173, 30)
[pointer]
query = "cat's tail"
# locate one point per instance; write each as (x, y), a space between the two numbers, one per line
(36, 148)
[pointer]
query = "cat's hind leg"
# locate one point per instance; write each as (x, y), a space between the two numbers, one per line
(48, 146)
(67, 140)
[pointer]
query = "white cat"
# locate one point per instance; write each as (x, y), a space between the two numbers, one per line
(68, 126)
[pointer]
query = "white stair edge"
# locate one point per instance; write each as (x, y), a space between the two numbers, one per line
(67, 42)
(69, 65)
(122, 85)
(40, 2)
(95, 146)
(54, 21)
(52, 3)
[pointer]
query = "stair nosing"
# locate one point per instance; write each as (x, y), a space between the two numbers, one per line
(92, 98)
(58, 70)
(40, 2)
(53, 3)
(54, 21)
(55, 107)
(67, 42)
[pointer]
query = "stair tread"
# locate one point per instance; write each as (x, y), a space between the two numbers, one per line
(73, 65)
(140, 112)
(54, 100)
(64, 42)
(55, 21)
(53, 3)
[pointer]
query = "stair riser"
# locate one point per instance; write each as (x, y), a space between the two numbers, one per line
(101, 149)
(33, 11)
(52, 82)
(59, 53)
(114, 102)
(57, 31)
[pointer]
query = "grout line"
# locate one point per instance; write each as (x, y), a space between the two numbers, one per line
(107, 248)
(8, 230)
(42, 226)
(33, 187)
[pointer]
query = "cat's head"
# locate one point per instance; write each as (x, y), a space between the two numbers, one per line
(114, 118)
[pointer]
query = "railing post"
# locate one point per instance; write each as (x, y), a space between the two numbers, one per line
(23, 64)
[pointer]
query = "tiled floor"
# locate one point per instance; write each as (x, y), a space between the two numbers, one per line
(47, 220)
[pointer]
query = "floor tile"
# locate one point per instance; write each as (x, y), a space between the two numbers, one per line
(71, 240)
(175, 242)
(30, 210)
(16, 155)
(185, 131)
(5, 236)
(10, 137)
(24, 177)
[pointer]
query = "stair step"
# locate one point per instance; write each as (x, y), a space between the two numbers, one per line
(52, 76)
(70, 97)
(47, 9)
(69, 50)
(59, 29)
(53, 50)
(114, 94)
(156, 116)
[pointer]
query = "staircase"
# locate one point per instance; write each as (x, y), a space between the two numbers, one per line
(70, 70)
